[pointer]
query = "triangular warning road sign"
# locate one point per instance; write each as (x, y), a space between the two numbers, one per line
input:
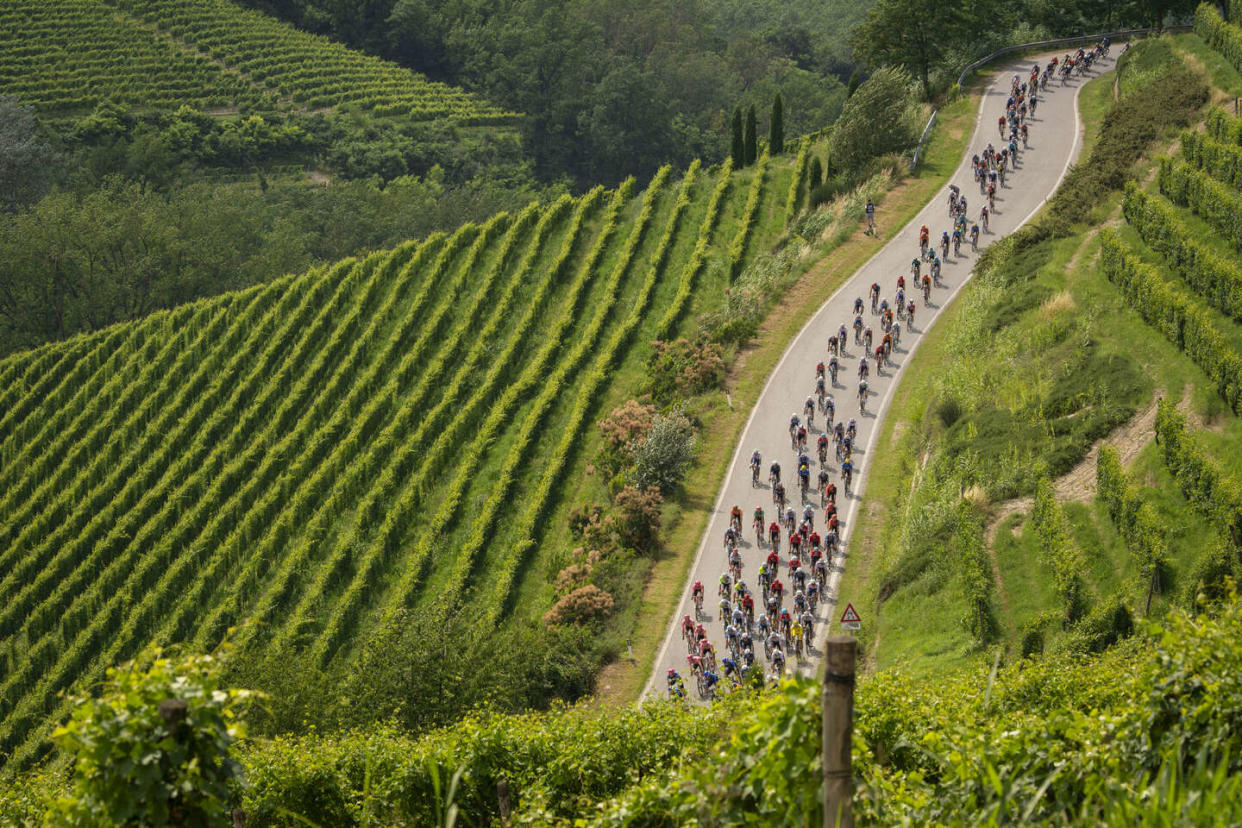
(850, 616)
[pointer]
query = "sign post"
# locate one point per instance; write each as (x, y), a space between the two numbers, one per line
(850, 619)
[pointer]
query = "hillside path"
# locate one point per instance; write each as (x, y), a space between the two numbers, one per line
(1055, 142)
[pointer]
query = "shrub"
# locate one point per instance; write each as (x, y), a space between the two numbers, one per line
(626, 423)
(638, 516)
(684, 367)
(582, 606)
(572, 577)
(153, 749)
(877, 119)
(662, 458)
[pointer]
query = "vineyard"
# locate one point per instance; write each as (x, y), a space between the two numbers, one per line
(309, 458)
(66, 56)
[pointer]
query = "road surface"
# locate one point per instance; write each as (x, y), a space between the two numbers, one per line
(1055, 142)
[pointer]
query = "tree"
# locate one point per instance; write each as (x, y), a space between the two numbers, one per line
(752, 138)
(776, 131)
(815, 174)
(25, 159)
(662, 458)
(913, 34)
(739, 145)
(856, 80)
(879, 118)
(153, 749)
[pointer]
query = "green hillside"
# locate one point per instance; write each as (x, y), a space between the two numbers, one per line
(383, 441)
(67, 56)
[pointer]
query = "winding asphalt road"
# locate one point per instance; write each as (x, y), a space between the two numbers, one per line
(1055, 142)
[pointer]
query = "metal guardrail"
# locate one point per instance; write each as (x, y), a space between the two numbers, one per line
(1124, 34)
(918, 151)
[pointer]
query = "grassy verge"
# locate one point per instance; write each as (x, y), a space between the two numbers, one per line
(724, 415)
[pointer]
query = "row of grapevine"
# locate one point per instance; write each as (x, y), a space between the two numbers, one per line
(750, 214)
(702, 246)
(1221, 161)
(1185, 324)
(1209, 274)
(1211, 200)
(1199, 475)
(1223, 37)
(1223, 128)
(793, 201)
(1136, 520)
(1062, 554)
(309, 70)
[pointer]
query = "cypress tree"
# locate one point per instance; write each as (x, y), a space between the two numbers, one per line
(739, 148)
(776, 133)
(815, 176)
(855, 80)
(752, 140)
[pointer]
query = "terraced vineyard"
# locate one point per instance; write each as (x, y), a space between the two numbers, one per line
(320, 452)
(1176, 261)
(65, 56)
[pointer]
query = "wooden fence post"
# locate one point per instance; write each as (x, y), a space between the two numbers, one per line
(839, 656)
(502, 794)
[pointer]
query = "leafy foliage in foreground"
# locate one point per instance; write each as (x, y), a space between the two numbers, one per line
(1065, 739)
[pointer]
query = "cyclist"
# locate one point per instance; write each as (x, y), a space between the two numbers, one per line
(858, 305)
(725, 586)
(774, 472)
(735, 519)
(696, 595)
(875, 295)
(862, 395)
(710, 680)
(924, 237)
(676, 687)
(847, 473)
(756, 462)
(833, 367)
(870, 212)
(927, 286)
(757, 523)
(829, 406)
(944, 244)
(774, 536)
(687, 624)
(808, 411)
(851, 428)
(983, 217)
(778, 494)
(974, 237)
